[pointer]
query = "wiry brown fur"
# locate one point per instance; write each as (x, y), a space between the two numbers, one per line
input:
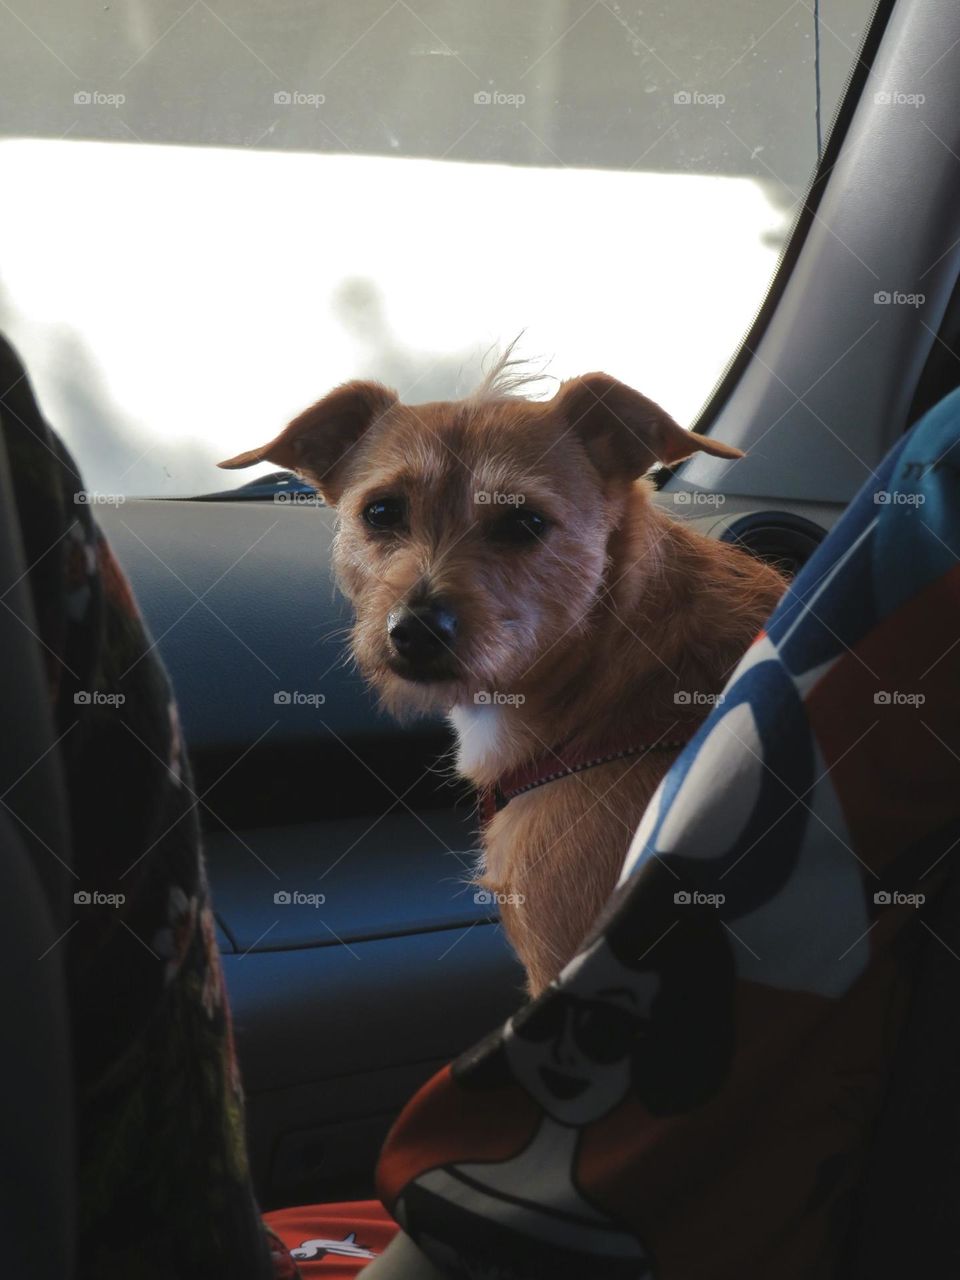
(590, 632)
(680, 627)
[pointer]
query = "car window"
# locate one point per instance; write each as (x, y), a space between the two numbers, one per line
(223, 209)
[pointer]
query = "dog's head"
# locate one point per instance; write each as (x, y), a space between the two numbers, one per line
(474, 534)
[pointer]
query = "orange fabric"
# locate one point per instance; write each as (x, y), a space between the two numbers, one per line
(334, 1241)
(497, 1131)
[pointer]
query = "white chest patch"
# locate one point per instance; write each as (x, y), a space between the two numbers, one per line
(480, 735)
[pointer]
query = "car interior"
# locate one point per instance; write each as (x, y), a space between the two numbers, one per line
(358, 955)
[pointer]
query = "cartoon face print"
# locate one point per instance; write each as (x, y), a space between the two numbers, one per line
(573, 1050)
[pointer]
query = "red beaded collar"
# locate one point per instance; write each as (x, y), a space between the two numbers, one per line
(573, 758)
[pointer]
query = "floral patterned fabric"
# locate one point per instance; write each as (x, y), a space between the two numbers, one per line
(163, 1185)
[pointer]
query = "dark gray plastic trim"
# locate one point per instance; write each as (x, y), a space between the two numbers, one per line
(831, 383)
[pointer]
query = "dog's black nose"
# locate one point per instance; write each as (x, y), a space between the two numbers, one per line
(422, 634)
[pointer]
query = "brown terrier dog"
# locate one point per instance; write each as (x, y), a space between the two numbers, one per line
(507, 566)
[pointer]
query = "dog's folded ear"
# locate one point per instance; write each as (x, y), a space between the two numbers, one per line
(623, 432)
(317, 443)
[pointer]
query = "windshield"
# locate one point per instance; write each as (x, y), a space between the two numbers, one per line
(223, 210)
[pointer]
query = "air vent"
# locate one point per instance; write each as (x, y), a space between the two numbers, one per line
(779, 537)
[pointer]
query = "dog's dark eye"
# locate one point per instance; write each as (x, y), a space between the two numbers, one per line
(385, 513)
(520, 528)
